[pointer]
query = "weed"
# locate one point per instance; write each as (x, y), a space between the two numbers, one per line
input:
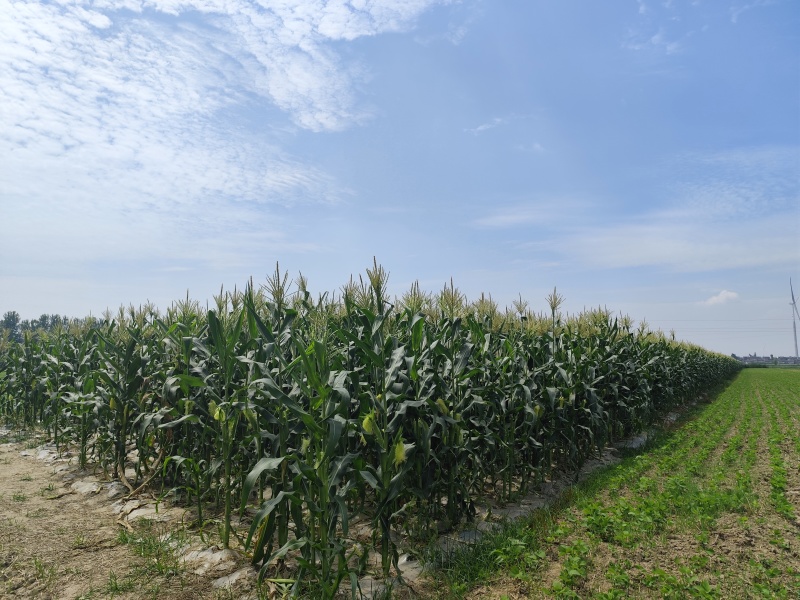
(47, 490)
(158, 548)
(618, 576)
(574, 565)
(518, 557)
(699, 561)
(611, 595)
(119, 586)
(778, 540)
(45, 573)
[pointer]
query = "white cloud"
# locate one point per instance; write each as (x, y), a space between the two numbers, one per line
(511, 217)
(660, 40)
(495, 122)
(279, 51)
(124, 125)
(738, 9)
(723, 297)
(549, 210)
(736, 210)
(684, 242)
(659, 29)
(535, 147)
(143, 106)
(751, 183)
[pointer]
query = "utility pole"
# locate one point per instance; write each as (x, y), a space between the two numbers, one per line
(794, 322)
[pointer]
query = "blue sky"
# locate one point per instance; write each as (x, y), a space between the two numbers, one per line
(639, 155)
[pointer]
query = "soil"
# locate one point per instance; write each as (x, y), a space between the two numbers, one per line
(60, 537)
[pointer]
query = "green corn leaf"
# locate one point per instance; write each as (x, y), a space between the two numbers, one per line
(262, 466)
(281, 552)
(370, 479)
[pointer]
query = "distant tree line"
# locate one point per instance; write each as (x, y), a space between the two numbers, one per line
(13, 328)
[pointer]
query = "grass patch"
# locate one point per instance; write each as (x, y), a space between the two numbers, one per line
(119, 585)
(45, 572)
(157, 546)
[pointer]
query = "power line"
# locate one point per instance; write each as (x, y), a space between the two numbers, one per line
(712, 320)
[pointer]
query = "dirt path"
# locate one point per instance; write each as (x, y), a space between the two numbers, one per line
(50, 534)
(66, 534)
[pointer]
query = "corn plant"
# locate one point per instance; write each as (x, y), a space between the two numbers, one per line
(310, 414)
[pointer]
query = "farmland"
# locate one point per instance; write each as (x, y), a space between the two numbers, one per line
(285, 423)
(708, 510)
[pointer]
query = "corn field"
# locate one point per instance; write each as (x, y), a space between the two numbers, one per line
(305, 415)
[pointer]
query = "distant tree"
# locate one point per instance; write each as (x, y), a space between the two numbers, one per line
(11, 324)
(13, 328)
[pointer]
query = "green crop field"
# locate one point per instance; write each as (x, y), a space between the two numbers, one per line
(709, 510)
(283, 420)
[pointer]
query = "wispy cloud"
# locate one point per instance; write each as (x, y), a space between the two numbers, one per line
(671, 242)
(463, 16)
(723, 297)
(532, 147)
(511, 217)
(659, 29)
(718, 216)
(495, 122)
(124, 124)
(748, 182)
(737, 9)
(547, 210)
(661, 42)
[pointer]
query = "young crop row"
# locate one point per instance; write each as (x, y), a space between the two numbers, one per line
(317, 413)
